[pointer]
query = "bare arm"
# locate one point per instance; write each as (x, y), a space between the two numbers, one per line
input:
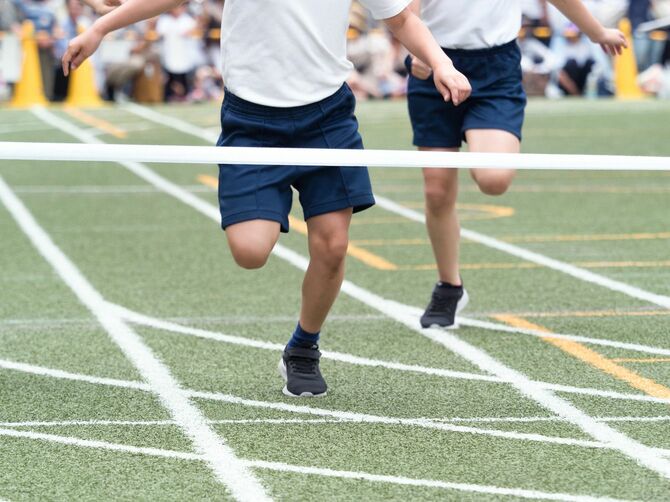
(131, 12)
(413, 34)
(103, 7)
(612, 41)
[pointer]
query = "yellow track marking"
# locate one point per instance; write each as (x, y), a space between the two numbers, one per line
(381, 220)
(641, 360)
(597, 313)
(100, 124)
(532, 238)
(300, 226)
(482, 211)
(592, 358)
(360, 254)
(392, 242)
(526, 265)
(589, 237)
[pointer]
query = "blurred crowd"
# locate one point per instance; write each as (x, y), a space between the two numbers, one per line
(176, 57)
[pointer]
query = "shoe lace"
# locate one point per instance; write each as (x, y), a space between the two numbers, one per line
(442, 303)
(304, 365)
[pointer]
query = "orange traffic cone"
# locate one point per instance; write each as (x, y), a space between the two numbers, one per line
(625, 68)
(29, 89)
(82, 91)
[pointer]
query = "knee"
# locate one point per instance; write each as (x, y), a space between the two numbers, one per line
(331, 250)
(440, 196)
(494, 183)
(249, 256)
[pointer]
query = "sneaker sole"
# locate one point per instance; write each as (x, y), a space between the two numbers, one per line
(282, 371)
(462, 303)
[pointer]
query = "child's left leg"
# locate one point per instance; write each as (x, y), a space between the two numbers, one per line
(492, 181)
(328, 236)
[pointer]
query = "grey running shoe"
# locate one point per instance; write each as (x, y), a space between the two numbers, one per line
(444, 304)
(299, 367)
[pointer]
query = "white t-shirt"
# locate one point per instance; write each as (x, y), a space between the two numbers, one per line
(285, 53)
(472, 24)
(179, 49)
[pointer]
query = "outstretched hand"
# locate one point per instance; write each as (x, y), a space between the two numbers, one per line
(80, 48)
(612, 41)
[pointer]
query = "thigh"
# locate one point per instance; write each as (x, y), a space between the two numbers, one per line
(492, 141)
(256, 234)
(444, 179)
(249, 192)
(329, 189)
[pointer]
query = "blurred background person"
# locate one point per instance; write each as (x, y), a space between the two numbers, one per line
(180, 54)
(43, 17)
(10, 47)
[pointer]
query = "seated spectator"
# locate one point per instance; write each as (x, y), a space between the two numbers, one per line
(179, 52)
(44, 20)
(10, 47)
(577, 63)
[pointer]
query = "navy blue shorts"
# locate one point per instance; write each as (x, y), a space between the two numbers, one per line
(265, 192)
(497, 101)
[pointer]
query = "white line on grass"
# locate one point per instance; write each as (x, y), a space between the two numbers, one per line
(220, 457)
(315, 421)
(411, 214)
(540, 259)
(319, 412)
(164, 325)
(298, 469)
(643, 455)
(466, 487)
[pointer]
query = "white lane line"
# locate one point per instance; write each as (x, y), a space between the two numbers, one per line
(144, 320)
(311, 421)
(465, 487)
(101, 445)
(643, 455)
(491, 326)
(152, 322)
(317, 412)
(160, 423)
(540, 259)
(411, 214)
(241, 482)
(315, 471)
(176, 124)
(66, 375)
(98, 189)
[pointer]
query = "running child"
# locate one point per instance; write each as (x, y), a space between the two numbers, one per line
(284, 67)
(479, 36)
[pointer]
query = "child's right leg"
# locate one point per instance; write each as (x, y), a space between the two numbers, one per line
(251, 242)
(441, 192)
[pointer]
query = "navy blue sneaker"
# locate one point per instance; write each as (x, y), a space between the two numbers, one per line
(444, 304)
(299, 367)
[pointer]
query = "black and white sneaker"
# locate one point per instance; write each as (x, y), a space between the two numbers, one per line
(299, 367)
(444, 304)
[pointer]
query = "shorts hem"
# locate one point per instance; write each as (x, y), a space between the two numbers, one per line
(495, 127)
(436, 144)
(358, 203)
(256, 214)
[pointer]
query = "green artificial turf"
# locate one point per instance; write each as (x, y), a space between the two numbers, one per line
(144, 250)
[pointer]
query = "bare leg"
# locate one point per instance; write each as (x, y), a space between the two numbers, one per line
(328, 236)
(492, 181)
(251, 242)
(441, 191)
